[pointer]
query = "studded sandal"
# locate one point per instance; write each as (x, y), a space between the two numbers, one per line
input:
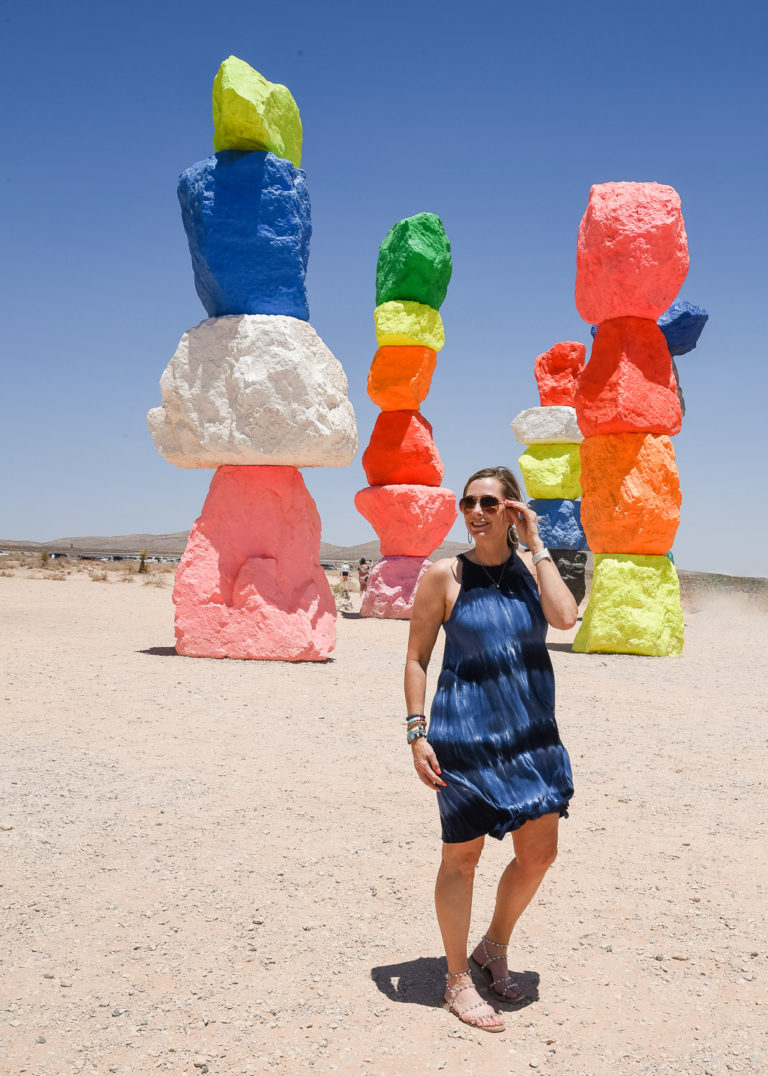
(499, 987)
(464, 1014)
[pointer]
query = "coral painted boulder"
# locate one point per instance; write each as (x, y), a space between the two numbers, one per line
(572, 567)
(560, 523)
(392, 587)
(634, 608)
(551, 472)
(250, 584)
(251, 113)
(248, 224)
(414, 262)
(557, 372)
(254, 389)
(546, 426)
(402, 450)
(400, 377)
(628, 384)
(632, 251)
(410, 521)
(631, 493)
(408, 323)
(682, 326)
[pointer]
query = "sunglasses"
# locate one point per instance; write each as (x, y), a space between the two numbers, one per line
(487, 503)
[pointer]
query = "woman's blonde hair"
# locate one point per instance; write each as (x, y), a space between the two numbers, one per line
(511, 488)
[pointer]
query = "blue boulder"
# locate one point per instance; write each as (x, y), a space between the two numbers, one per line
(560, 523)
(248, 224)
(682, 325)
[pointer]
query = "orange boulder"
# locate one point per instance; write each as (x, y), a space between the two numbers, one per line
(401, 450)
(630, 493)
(410, 520)
(557, 372)
(400, 376)
(628, 384)
(631, 253)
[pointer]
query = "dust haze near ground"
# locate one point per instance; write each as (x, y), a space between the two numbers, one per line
(227, 867)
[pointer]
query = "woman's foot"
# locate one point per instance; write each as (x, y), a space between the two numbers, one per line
(491, 957)
(463, 1000)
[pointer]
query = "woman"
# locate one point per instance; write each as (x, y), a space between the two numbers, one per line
(493, 754)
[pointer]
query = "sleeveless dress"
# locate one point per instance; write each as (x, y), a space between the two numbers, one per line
(492, 722)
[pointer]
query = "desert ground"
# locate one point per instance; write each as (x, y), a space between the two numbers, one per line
(227, 867)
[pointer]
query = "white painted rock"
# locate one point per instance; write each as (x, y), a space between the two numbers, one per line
(547, 426)
(254, 389)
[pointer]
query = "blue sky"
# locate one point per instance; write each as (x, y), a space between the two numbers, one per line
(497, 116)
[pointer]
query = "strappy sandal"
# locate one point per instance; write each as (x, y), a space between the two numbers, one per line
(505, 983)
(462, 1014)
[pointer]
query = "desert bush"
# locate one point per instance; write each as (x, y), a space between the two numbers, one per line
(8, 575)
(98, 576)
(55, 577)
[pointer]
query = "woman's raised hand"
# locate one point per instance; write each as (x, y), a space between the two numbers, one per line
(526, 524)
(425, 761)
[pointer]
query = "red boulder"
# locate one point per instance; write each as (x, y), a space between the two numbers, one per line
(402, 450)
(557, 372)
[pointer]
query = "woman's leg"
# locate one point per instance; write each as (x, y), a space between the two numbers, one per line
(453, 903)
(535, 845)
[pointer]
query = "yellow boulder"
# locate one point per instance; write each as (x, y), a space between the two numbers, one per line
(634, 607)
(250, 113)
(403, 322)
(551, 472)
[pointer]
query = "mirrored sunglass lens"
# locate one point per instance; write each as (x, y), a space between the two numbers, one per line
(466, 504)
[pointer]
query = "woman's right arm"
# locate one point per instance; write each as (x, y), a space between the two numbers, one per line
(427, 615)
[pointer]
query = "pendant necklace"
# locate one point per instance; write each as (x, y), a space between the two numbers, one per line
(501, 576)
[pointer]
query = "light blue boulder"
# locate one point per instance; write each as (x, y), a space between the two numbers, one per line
(560, 523)
(248, 224)
(682, 325)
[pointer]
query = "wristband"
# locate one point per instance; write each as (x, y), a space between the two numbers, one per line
(416, 733)
(543, 554)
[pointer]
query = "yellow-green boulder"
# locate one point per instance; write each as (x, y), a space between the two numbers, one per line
(551, 472)
(250, 113)
(404, 322)
(634, 607)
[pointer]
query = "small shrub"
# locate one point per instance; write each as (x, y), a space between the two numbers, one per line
(98, 577)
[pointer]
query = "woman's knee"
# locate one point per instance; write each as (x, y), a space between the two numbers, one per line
(537, 857)
(462, 858)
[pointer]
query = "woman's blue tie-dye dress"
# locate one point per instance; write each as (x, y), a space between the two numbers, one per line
(492, 723)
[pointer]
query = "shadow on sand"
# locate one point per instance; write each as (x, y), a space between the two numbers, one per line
(160, 651)
(422, 982)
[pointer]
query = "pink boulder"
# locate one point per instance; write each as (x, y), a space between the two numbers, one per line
(402, 450)
(410, 521)
(631, 253)
(250, 584)
(392, 587)
(628, 384)
(557, 372)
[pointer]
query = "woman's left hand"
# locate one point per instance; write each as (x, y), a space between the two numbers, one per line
(526, 524)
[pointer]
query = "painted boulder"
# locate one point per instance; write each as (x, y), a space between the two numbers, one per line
(632, 251)
(410, 520)
(560, 523)
(399, 377)
(402, 450)
(410, 324)
(414, 262)
(248, 224)
(682, 326)
(251, 113)
(547, 426)
(557, 371)
(633, 608)
(250, 584)
(551, 472)
(631, 493)
(254, 389)
(392, 587)
(628, 385)
(572, 564)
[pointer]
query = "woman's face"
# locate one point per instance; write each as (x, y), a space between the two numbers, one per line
(485, 522)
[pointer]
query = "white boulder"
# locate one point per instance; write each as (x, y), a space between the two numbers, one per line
(254, 389)
(547, 426)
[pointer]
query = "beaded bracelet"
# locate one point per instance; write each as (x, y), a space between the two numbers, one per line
(415, 717)
(415, 734)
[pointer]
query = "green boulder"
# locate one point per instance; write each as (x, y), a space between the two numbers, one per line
(251, 113)
(414, 262)
(634, 607)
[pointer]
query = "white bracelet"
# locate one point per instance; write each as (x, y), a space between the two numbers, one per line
(543, 554)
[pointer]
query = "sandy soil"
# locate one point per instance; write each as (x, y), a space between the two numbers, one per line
(227, 867)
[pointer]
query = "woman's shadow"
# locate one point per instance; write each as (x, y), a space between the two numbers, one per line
(422, 982)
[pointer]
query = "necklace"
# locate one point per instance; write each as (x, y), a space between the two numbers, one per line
(501, 574)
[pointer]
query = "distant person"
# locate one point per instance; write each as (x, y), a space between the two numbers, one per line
(345, 572)
(362, 574)
(493, 754)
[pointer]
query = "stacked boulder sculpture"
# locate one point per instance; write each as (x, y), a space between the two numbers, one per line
(253, 391)
(551, 465)
(632, 258)
(404, 501)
